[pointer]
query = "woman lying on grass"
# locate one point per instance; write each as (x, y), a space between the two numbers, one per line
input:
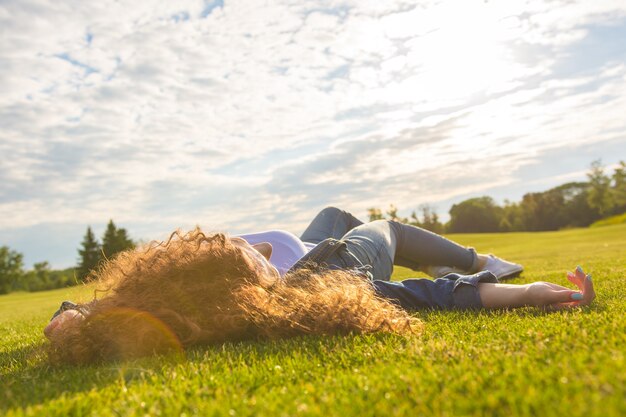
(197, 289)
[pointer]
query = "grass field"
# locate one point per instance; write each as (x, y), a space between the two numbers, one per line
(619, 219)
(505, 363)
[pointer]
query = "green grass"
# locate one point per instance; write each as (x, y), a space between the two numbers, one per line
(609, 221)
(506, 363)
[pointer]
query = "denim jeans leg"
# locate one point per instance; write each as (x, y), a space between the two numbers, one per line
(373, 244)
(416, 247)
(380, 243)
(330, 222)
(422, 247)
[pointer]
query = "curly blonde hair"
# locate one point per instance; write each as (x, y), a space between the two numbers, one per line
(196, 289)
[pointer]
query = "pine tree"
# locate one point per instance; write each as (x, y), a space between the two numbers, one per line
(115, 240)
(123, 241)
(89, 255)
(108, 240)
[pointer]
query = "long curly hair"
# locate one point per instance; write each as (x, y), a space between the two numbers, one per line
(196, 289)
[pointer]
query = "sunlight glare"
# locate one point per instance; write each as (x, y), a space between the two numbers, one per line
(462, 53)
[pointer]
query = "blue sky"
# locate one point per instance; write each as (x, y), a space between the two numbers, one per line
(243, 116)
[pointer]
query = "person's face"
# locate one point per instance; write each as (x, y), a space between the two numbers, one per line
(62, 322)
(259, 255)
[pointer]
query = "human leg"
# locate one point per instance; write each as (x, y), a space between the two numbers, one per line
(425, 248)
(417, 248)
(421, 249)
(335, 223)
(383, 243)
(330, 222)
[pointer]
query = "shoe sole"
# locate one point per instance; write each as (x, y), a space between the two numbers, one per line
(511, 274)
(443, 271)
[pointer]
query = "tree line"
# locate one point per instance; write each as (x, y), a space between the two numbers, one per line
(13, 276)
(574, 204)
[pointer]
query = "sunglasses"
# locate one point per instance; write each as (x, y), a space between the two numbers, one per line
(68, 305)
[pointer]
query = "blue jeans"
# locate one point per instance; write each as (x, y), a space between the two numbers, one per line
(383, 243)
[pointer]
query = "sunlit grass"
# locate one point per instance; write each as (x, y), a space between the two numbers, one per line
(619, 219)
(522, 362)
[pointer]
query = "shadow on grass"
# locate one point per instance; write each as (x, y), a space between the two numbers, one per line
(429, 315)
(31, 381)
(27, 379)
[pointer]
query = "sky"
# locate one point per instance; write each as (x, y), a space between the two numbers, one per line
(251, 115)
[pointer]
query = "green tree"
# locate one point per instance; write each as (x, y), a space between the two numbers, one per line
(563, 206)
(11, 269)
(599, 196)
(512, 217)
(543, 211)
(115, 241)
(39, 278)
(42, 272)
(42, 278)
(63, 278)
(429, 219)
(576, 211)
(89, 255)
(479, 214)
(374, 213)
(392, 212)
(618, 190)
(124, 242)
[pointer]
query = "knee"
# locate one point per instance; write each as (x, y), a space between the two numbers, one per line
(331, 211)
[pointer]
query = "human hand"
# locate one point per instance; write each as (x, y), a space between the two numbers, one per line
(556, 297)
(584, 283)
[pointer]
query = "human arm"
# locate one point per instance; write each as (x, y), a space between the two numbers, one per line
(482, 290)
(538, 294)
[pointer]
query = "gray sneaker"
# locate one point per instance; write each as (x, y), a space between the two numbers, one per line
(441, 271)
(499, 267)
(502, 269)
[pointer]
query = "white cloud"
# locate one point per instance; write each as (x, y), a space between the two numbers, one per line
(158, 117)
